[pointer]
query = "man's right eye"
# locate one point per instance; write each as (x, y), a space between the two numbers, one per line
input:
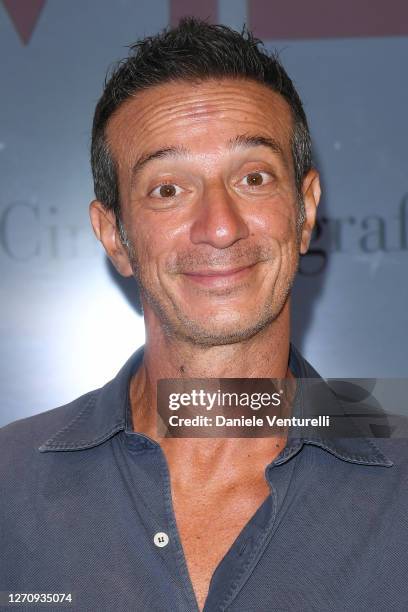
(166, 190)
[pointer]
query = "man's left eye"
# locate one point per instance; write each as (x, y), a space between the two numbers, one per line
(255, 179)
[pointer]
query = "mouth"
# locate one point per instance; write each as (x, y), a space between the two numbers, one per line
(219, 277)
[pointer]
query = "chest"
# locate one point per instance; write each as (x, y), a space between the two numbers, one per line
(209, 522)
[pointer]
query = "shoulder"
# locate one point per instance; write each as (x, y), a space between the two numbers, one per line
(87, 422)
(21, 439)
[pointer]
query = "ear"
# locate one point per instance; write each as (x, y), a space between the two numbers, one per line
(104, 225)
(311, 196)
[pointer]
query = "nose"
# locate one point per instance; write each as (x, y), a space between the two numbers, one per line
(218, 221)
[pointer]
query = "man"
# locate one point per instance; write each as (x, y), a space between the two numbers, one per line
(206, 194)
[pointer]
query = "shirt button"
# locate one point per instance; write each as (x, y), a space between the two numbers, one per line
(161, 539)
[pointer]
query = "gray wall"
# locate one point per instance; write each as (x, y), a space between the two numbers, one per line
(67, 322)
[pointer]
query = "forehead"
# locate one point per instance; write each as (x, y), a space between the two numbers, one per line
(197, 116)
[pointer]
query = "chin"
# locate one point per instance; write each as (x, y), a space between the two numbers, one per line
(216, 335)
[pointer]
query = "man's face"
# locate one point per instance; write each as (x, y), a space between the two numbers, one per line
(209, 205)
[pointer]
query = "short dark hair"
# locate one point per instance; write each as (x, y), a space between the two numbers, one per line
(193, 51)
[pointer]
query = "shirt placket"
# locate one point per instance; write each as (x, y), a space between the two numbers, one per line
(238, 564)
(240, 561)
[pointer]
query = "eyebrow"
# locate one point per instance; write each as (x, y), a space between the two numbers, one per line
(159, 154)
(245, 141)
(248, 141)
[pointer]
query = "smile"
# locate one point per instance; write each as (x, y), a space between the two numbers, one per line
(219, 277)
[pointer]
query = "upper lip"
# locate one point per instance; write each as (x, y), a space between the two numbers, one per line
(218, 272)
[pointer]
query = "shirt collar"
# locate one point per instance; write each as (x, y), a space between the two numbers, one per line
(360, 450)
(103, 413)
(100, 414)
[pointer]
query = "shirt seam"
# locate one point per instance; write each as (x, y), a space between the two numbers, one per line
(84, 443)
(258, 550)
(74, 420)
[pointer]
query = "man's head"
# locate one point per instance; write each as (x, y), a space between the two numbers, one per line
(201, 159)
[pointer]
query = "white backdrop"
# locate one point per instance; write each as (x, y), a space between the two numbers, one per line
(67, 322)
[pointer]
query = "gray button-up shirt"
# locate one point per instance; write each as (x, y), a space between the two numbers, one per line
(86, 509)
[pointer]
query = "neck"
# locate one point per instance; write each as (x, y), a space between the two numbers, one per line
(265, 355)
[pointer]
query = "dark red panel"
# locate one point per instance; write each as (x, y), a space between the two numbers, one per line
(327, 19)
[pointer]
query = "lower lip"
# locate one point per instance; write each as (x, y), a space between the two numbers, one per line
(219, 280)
